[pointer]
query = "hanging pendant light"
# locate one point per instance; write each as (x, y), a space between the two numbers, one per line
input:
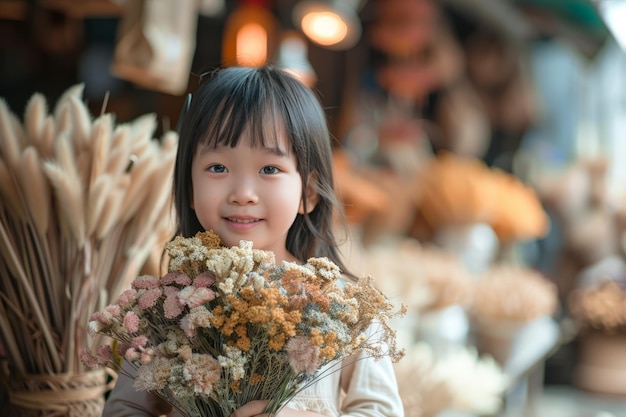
(332, 24)
(249, 35)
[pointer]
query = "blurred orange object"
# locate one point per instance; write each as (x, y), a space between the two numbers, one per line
(463, 190)
(518, 213)
(456, 190)
(361, 198)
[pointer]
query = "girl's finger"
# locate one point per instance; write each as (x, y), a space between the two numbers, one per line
(253, 408)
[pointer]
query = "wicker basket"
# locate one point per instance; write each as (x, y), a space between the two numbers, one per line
(65, 395)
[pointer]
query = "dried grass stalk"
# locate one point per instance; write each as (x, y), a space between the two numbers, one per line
(35, 118)
(36, 189)
(9, 136)
(46, 144)
(9, 193)
(76, 193)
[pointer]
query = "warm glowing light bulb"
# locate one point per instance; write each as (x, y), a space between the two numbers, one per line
(251, 45)
(249, 38)
(325, 28)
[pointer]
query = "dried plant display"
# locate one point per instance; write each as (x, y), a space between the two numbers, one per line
(83, 200)
(506, 298)
(601, 307)
(513, 293)
(599, 311)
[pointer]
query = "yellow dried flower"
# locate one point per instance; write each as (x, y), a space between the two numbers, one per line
(328, 352)
(235, 386)
(209, 239)
(256, 379)
(316, 337)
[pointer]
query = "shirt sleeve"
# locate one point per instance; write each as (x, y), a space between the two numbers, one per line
(370, 388)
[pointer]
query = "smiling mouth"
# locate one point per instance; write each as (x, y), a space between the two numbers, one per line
(243, 221)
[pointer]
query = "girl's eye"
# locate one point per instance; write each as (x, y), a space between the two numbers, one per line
(269, 170)
(217, 168)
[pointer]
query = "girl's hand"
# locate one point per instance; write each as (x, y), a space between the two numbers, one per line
(251, 409)
(255, 409)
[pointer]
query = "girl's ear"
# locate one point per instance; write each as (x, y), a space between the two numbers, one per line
(312, 197)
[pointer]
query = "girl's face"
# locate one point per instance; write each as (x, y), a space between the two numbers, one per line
(248, 193)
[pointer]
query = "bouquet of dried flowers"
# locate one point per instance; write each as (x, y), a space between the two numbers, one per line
(82, 201)
(228, 325)
(507, 298)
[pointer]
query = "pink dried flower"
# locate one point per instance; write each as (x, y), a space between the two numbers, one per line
(103, 317)
(303, 356)
(194, 297)
(176, 277)
(187, 325)
(146, 282)
(113, 309)
(105, 352)
(169, 290)
(198, 317)
(89, 359)
(203, 371)
(146, 357)
(205, 279)
(131, 322)
(148, 299)
(139, 342)
(131, 354)
(127, 298)
(171, 306)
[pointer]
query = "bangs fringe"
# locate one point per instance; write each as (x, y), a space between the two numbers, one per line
(258, 119)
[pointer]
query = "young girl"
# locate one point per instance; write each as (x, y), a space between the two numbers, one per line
(254, 163)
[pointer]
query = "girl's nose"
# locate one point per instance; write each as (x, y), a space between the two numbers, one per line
(243, 192)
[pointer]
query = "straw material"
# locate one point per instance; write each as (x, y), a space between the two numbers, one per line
(83, 204)
(66, 395)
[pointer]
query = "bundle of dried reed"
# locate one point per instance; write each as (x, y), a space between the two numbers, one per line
(82, 201)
